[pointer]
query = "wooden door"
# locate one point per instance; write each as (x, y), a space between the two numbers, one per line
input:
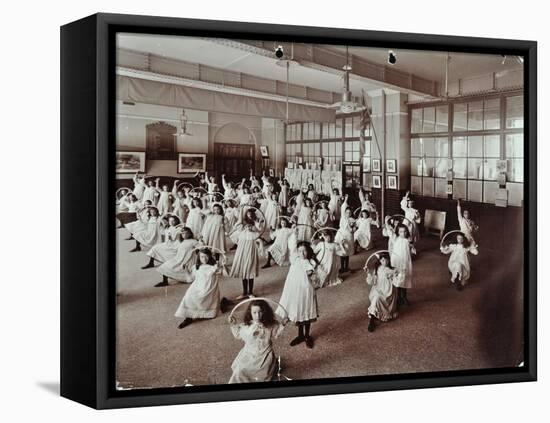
(234, 160)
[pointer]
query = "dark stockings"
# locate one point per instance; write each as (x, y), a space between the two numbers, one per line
(268, 263)
(136, 248)
(248, 286)
(150, 264)
(344, 264)
(163, 283)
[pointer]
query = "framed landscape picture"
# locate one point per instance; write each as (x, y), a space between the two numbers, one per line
(191, 162)
(162, 304)
(130, 161)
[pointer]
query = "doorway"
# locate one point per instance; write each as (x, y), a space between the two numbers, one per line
(234, 160)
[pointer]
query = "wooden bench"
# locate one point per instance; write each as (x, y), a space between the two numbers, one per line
(434, 222)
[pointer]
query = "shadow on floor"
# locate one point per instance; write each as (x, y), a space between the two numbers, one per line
(51, 387)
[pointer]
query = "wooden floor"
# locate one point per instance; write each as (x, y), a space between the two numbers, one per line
(442, 329)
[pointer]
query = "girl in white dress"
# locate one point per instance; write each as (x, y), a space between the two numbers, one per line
(299, 298)
(149, 192)
(166, 250)
(178, 203)
(278, 251)
(383, 293)
(231, 215)
(139, 186)
(151, 234)
(202, 299)
(284, 194)
(413, 217)
(272, 211)
(229, 191)
(400, 257)
(344, 236)
(246, 263)
(322, 216)
(128, 210)
(366, 204)
(311, 194)
(363, 233)
(256, 362)
(305, 219)
(334, 205)
(213, 230)
(327, 255)
(467, 225)
(180, 267)
(459, 262)
(390, 225)
(164, 200)
(195, 217)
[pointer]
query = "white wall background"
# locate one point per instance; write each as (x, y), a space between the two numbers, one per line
(30, 234)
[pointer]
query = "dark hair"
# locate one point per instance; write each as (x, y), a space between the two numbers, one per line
(364, 211)
(188, 231)
(400, 225)
(218, 206)
(387, 257)
(268, 317)
(173, 216)
(133, 197)
(250, 220)
(286, 220)
(308, 200)
(329, 234)
(310, 255)
(198, 201)
(208, 252)
(336, 191)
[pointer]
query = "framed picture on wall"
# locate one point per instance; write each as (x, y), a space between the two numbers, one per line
(185, 334)
(392, 181)
(391, 166)
(272, 172)
(130, 161)
(191, 162)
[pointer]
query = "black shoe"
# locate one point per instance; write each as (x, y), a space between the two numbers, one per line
(309, 342)
(298, 340)
(148, 266)
(267, 265)
(129, 239)
(163, 283)
(370, 327)
(458, 285)
(233, 248)
(224, 303)
(135, 249)
(186, 322)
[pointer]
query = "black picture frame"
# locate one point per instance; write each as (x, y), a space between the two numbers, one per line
(88, 294)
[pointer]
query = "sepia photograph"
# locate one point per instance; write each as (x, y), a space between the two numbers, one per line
(269, 266)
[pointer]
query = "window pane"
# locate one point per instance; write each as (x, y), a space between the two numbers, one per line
(338, 148)
(475, 147)
(288, 132)
(492, 146)
(492, 114)
(490, 169)
(441, 167)
(475, 170)
(349, 128)
(356, 146)
(441, 188)
(489, 192)
(348, 156)
(428, 124)
(515, 170)
(317, 149)
(356, 156)
(416, 147)
(459, 189)
(459, 168)
(428, 147)
(332, 148)
(460, 117)
(416, 167)
(474, 191)
(325, 130)
(459, 147)
(428, 187)
(475, 116)
(514, 112)
(441, 147)
(357, 126)
(339, 124)
(316, 130)
(366, 164)
(514, 146)
(429, 165)
(367, 148)
(416, 185)
(331, 130)
(416, 121)
(442, 118)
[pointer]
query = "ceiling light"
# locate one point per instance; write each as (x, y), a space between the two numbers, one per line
(392, 58)
(279, 52)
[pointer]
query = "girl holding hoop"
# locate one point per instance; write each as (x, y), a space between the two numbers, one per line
(327, 252)
(400, 257)
(363, 234)
(246, 263)
(284, 194)
(467, 225)
(344, 236)
(305, 219)
(459, 262)
(151, 233)
(202, 298)
(322, 215)
(278, 251)
(256, 361)
(383, 294)
(299, 298)
(195, 216)
(180, 267)
(213, 230)
(164, 251)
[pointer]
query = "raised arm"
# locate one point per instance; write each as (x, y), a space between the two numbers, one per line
(175, 188)
(344, 205)
(361, 196)
(404, 202)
